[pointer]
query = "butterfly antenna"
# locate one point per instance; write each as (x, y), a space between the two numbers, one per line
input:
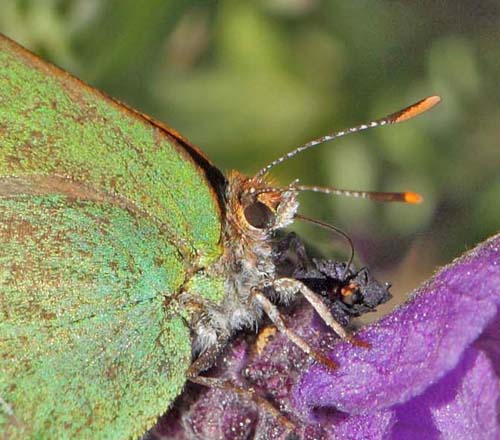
(404, 197)
(336, 230)
(394, 118)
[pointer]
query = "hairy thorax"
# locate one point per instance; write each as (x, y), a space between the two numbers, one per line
(254, 214)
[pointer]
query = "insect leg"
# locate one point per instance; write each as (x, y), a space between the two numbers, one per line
(248, 394)
(289, 286)
(206, 359)
(274, 315)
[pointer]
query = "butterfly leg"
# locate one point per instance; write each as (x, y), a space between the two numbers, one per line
(275, 316)
(207, 358)
(290, 287)
(247, 393)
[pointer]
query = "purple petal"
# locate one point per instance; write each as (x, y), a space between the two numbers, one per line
(416, 345)
(489, 342)
(463, 405)
(373, 426)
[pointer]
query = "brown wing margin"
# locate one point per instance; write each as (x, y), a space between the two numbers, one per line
(213, 175)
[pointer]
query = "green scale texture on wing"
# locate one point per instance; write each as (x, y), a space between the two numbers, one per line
(104, 217)
(53, 124)
(86, 347)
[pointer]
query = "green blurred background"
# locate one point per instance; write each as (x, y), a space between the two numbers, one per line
(250, 80)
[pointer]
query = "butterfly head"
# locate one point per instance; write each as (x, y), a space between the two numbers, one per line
(257, 208)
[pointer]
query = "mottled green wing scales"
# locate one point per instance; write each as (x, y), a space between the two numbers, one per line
(87, 349)
(53, 124)
(104, 214)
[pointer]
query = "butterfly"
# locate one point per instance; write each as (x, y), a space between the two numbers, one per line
(127, 259)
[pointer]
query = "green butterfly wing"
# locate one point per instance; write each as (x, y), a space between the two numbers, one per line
(53, 124)
(104, 215)
(86, 348)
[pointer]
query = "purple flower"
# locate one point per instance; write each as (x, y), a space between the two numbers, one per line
(431, 373)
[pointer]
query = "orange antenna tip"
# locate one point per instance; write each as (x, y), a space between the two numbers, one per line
(413, 197)
(415, 109)
(402, 115)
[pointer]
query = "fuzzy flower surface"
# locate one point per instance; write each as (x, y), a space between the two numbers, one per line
(431, 371)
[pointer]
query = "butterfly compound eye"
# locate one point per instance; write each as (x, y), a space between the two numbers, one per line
(259, 215)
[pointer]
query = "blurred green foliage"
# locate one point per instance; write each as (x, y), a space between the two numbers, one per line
(250, 80)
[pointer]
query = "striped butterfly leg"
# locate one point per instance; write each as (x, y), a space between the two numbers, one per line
(277, 319)
(248, 394)
(207, 359)
(289, 287)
